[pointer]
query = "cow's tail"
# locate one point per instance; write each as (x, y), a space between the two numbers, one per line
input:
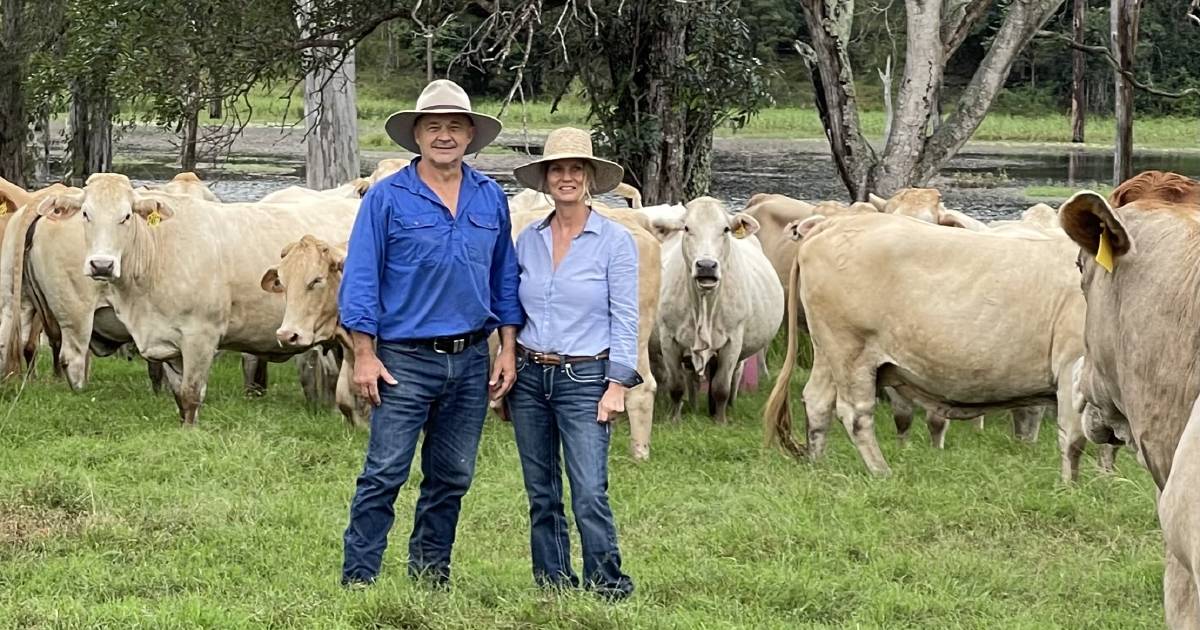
(777, 416)
(14, 344)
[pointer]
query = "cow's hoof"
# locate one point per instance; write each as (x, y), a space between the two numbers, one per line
(640, 452)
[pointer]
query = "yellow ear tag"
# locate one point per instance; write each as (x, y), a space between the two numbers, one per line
(1104, 255)
(740, 232)
(154, 218)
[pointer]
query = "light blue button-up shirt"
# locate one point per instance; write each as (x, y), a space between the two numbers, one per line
(590, 303)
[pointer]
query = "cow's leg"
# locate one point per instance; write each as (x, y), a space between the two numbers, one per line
(1179, 595)
(820, 397)
(639, 406)
(354, 408)
(902, 413)
(197, 361)
(977, 422)
(720, 385)
(938, 424)
(1107, 457)
(1027, 421)
(156, 372)
(254, 374)
(1071, 438)
(856, 407)
(675, 376)
(31, 332)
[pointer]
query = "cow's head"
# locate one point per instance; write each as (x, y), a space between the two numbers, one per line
(708, 231)
(924, 204)
(1093, 224)
(309, 276)
(115, 220)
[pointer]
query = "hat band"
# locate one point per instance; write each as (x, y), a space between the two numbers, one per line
(458, 107)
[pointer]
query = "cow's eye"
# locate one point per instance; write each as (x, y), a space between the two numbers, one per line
(314, 283)
(125, 218)
(87, 217)
(685, 229)
(727, 230)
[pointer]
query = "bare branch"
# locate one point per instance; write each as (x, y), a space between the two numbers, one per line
(348, 38)
(1106, 54)
(956, 30)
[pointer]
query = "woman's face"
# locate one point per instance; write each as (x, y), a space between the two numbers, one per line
(566, 181)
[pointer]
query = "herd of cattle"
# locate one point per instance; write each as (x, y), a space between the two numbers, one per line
(1087, 310)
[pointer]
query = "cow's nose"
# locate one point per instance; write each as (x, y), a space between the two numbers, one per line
(101, 266)
(287, 337)
(706, 267)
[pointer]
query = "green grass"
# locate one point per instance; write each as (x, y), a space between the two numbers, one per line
(113, 516)
(778, 122)
(1062, 193)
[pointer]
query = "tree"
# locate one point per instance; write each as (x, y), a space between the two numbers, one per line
(911, 155)
(1078, 72)
(1124, 15)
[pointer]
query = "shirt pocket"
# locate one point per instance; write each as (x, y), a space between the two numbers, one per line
(419, 238)
(481, 233)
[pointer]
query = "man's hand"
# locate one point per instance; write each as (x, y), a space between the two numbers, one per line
(368, 369)
(611, 403)
(504, 373)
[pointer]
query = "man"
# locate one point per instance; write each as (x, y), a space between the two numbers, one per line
(430, 271)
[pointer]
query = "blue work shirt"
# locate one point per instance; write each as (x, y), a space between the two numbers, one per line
(590, 303)
(413, 271)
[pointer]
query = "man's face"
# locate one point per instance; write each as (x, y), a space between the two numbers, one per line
(443, 138)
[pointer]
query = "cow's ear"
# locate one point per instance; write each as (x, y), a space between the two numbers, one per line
(664, 227)
(152, 210)
(800, 228)
(270, 281)
(742, 225)
(59, 207)
(879, 202)
(287, 249)
(338, 263)
(361, 186)
(1088, 220)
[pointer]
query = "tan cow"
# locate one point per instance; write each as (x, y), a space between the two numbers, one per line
(1139, 253)
(309, 275)
(189, 185)
(183, 275)
(26, 325)
(639, 401)
(999, 328)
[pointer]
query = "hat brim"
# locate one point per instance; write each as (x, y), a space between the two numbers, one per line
(608, 174)
(399, 127)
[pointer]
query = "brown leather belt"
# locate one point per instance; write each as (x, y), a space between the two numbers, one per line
(549, 358)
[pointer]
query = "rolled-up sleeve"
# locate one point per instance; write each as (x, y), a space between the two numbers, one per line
(505, 275)
(358, 297)
(623, 311)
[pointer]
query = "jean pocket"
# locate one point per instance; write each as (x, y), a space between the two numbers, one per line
(587, 372)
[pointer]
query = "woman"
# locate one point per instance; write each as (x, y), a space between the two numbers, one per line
(576, 356)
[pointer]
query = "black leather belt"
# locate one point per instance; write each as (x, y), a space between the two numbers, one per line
(452, 344)
(549, 358)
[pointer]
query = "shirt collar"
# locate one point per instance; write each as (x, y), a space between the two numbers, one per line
(592, 225)
(408, 178)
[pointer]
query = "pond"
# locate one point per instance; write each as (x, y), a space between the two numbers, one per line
(985, 181)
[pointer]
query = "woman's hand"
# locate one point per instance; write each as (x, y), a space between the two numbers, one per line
(612, 403)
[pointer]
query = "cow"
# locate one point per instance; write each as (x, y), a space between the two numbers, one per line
(309, 274)
(183, 275)
(1138, 255)
(639, 401)
(189, 185)
(999, 326)
(720, 301)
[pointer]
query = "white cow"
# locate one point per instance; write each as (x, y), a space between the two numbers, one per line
(184, 275)
(720, 302)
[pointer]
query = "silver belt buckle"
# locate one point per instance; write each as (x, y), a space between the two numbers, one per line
(459, 345)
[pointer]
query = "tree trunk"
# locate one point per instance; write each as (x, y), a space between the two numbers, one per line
(191, 124)
(90, 137)
(829, 23)
(331, 112)
(663, 171)
(923, 65)
(14, 118)
(393, 45)
(1078, 73)
(215, 109)
(1124, 23)
(42, 162)
(428, 57)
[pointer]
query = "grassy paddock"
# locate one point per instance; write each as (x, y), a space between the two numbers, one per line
(112, 516)
(778, 122)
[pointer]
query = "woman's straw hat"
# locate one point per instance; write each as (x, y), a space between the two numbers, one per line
(567, 143)
(441, 96)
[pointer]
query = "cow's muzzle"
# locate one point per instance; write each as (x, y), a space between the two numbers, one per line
(291, 338)
(707, 273)
(102, 268)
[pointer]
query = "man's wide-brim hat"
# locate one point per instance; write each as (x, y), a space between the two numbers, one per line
(441, 96)
(569, 143)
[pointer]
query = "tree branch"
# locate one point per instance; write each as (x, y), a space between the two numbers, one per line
(955, 32)
(349, 38)
(1106, 54)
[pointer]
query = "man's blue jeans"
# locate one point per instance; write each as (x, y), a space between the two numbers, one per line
(552, 406)
(444, 395)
